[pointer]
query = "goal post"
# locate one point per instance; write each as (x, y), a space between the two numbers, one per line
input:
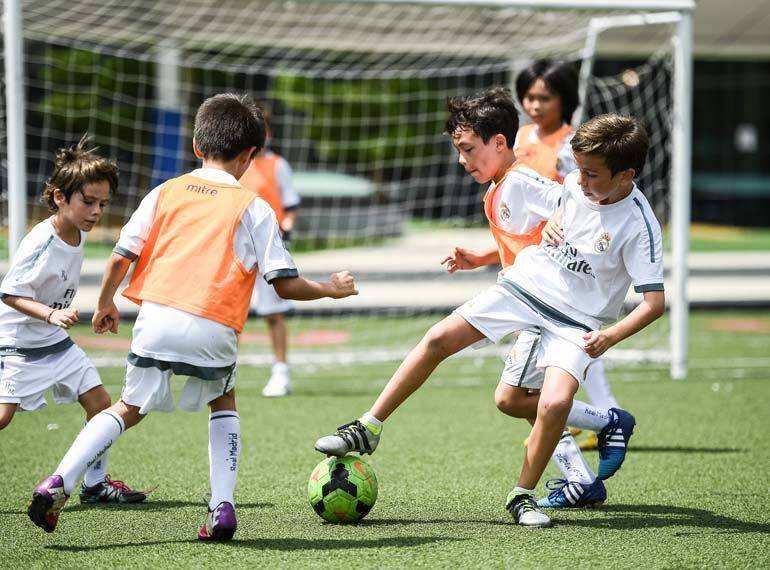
(357, 90)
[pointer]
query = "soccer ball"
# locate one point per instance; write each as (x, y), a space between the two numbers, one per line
(342, 489)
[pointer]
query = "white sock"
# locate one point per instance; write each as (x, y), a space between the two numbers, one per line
(96, 473)
(373, 424)
(597, 387)
(280, 368)
(585, 416)
(89, 446)
(224, 450)
(522, 491)
(570, 460)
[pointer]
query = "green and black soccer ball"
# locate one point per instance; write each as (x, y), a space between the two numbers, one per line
(342, 489)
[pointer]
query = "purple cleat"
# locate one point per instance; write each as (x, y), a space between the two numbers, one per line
(48, 499)
(220, 524)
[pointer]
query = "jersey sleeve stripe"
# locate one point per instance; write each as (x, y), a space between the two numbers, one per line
(648, 287)
(122, 251)
(649, 229)
(280, 273)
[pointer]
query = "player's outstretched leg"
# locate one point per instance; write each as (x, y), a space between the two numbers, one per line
(613, 442)
(48, 499)
(444, 339)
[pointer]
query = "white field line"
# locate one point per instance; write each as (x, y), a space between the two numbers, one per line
(479, 357)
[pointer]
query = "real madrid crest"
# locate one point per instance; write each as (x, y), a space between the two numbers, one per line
(505, 212)
(603, 243)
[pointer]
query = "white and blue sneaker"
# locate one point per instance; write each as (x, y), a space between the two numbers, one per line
(573, 495)
(613, 442)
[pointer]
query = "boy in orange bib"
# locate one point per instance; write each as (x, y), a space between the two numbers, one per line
(269, 175)
(199, 241)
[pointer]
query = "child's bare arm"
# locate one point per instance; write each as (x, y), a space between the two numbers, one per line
(106, 317)
(340, 285)
(651, 308)
(63, 318)
(463, 259)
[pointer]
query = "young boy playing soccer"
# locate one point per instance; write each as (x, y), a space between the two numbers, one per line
(611, 240)
(36, 353)
(516, 207)
(199, 241)
(269, 175)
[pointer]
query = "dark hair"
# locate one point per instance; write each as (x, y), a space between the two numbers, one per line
(74, 167)
(486, 114)
(559, 77)
(227, 124)
(621, 141)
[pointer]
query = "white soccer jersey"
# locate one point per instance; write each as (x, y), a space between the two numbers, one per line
(606, 249)
(523, 200)
(166, 333)
(289, 197)
(46, 270)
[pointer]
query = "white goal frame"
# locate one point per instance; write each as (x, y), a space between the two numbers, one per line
(675, 11)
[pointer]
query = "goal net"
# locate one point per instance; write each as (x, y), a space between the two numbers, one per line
(357, 94)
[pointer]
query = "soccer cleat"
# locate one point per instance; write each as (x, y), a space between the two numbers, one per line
(111, 491)
(613, 442)
(590, 443)
(48, 499)
(220, 523)
(525, 511)
(278, 386)
(354, 436)
(573, 495)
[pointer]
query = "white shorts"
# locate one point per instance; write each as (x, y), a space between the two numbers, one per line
(149, 389)
(521, 369)
(24, 379)
(268, 301)
(505, 308)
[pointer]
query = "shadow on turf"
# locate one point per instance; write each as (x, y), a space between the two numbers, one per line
(284, 544)
(632, 517)
(148, 506)
(681, 449)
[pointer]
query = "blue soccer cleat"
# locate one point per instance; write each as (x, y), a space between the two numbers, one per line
(613, 442)
(573, 495)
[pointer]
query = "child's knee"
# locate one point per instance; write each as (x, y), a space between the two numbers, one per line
(95, 400)
(223, 402)
(553, 407)
(6, 415)
(438, 341)
(128, 413)
(509, 401)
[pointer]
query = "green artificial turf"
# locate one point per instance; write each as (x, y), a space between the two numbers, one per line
(692, 492)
